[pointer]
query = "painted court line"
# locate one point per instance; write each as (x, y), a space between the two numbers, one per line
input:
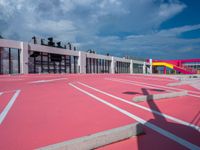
(187, 82)
(151, 85)
(163, 132)
(172, 88)
(144, 108)
(158, 86)
(8, 80)
(141, 85)
(148, 86)
(8, 91)
(8, 106)
(147, 78)
(45, 81)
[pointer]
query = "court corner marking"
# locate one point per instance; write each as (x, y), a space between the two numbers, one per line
(8, 106)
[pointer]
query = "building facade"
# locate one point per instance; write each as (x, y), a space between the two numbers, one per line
(17, 57)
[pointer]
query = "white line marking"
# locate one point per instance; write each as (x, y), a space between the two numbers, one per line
(152, 85)
(9, 80)
(147, 78)
(148, 124)
(174, 88)
(194, 95)
(45, 81)
(131, 82)
(148, 86)
(8, 106)
(144, 108)
(8, 91)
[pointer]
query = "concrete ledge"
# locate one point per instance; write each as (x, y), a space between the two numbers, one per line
(99, 139)
(186, 82)
(159, 96)
(176, 84)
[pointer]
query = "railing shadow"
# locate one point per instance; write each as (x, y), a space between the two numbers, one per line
(153, 140)
(196, 119)
(143, 92)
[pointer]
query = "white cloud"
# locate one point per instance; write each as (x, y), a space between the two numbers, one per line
(156, 44)
(178, 30)
(53, 27)
(169, 10)
(97, 24)
(93, 16)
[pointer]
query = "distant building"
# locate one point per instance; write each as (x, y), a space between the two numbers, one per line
(185, 66)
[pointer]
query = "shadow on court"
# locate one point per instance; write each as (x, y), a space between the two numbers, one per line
(144, 91)
(153, 140)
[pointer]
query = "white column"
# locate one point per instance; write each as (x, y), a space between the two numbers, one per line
(144, 68)
(131, 67)
(113, 65)
(150, 70)
(82, 62)
(24, 58)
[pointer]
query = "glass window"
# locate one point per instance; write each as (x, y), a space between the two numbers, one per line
(14, 61)
(9, 61)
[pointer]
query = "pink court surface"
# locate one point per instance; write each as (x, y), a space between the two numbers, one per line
(41, 110)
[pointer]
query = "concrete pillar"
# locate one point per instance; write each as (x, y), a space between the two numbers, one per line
(24, 58)
(113, 65)
(144, 68)
(82, 62)
(131, 67)
(151, 64)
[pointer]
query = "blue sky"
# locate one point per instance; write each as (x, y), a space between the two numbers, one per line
(159, 29)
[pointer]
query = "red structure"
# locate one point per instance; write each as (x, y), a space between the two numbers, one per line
(181, 66)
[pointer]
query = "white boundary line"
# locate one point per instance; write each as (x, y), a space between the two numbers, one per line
(50, 80)
(144, 108)
(163, 132)
(172, 88)
(151, 85)
(8, 106)
(148, 86)
(9, 80)
(154, 79)
(8, 91)
(137, 84)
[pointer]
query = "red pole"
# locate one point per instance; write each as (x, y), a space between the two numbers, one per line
(165, 70)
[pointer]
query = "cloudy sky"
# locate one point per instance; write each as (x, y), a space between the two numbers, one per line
(159, 29)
